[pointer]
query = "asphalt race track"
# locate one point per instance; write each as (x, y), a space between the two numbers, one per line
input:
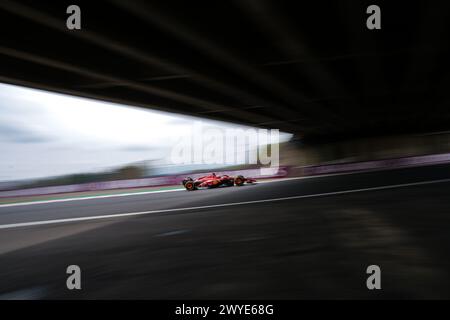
(294, 239)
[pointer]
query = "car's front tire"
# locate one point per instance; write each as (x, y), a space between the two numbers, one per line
(190, 186)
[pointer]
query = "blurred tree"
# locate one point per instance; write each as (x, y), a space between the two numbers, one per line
(129, 172)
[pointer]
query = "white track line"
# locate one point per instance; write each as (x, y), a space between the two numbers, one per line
(130, 214)
(86, 198)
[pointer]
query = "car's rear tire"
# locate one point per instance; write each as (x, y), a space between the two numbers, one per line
(190, 186)
(239, 181)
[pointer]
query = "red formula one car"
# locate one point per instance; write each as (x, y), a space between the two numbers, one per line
(213, 181)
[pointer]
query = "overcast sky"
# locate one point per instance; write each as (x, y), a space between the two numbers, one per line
(46, 134)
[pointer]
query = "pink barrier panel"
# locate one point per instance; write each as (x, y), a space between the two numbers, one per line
(136, 183)
(251, 173)
(377, 164)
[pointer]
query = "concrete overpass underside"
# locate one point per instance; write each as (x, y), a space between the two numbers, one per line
(309, 68)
